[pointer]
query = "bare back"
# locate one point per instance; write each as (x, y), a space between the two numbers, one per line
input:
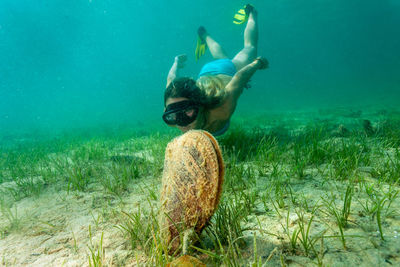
(218, 117)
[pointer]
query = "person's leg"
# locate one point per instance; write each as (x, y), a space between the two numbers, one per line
(215, 48)
(249, 52)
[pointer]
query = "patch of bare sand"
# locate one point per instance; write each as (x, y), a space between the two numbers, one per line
(53, 229)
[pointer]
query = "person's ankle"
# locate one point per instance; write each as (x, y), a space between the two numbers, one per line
(249, 9)
(202, 32)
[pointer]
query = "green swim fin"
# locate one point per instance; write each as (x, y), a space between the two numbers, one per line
(243, 14)
(201, 46)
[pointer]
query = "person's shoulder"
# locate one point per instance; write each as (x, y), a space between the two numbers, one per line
(222, 110)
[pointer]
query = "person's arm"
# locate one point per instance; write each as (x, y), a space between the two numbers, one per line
(174, 71)
(235, 87)
(239, 81)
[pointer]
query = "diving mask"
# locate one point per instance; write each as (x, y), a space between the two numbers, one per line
(181, 113)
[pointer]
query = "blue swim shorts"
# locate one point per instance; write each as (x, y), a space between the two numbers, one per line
(219, 66)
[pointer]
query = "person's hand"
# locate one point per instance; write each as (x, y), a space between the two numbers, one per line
(180, 60)
(262, 63)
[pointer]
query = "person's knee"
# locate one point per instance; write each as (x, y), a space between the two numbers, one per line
(249, 47)
(250, 51)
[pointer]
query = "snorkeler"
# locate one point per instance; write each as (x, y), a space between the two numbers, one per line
(209, 102)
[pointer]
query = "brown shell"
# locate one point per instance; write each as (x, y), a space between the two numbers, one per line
(191, 184)
(186, 261)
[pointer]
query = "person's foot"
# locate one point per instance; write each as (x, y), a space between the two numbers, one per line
(250, 9)
(202, 32)
(262, 63)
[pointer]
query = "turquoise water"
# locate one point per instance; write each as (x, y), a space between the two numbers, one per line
(313, 144)
(70, 64)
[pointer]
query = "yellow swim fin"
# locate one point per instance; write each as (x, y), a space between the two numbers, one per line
(242, 15)
(201, 46)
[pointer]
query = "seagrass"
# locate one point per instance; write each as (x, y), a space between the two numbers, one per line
(191, 185)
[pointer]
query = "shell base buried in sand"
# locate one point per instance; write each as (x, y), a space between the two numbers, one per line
(191, 185)
(186, 261)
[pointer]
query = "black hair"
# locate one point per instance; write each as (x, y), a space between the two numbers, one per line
(186, 87)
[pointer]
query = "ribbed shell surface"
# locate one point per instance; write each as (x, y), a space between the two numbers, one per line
(191, 184)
